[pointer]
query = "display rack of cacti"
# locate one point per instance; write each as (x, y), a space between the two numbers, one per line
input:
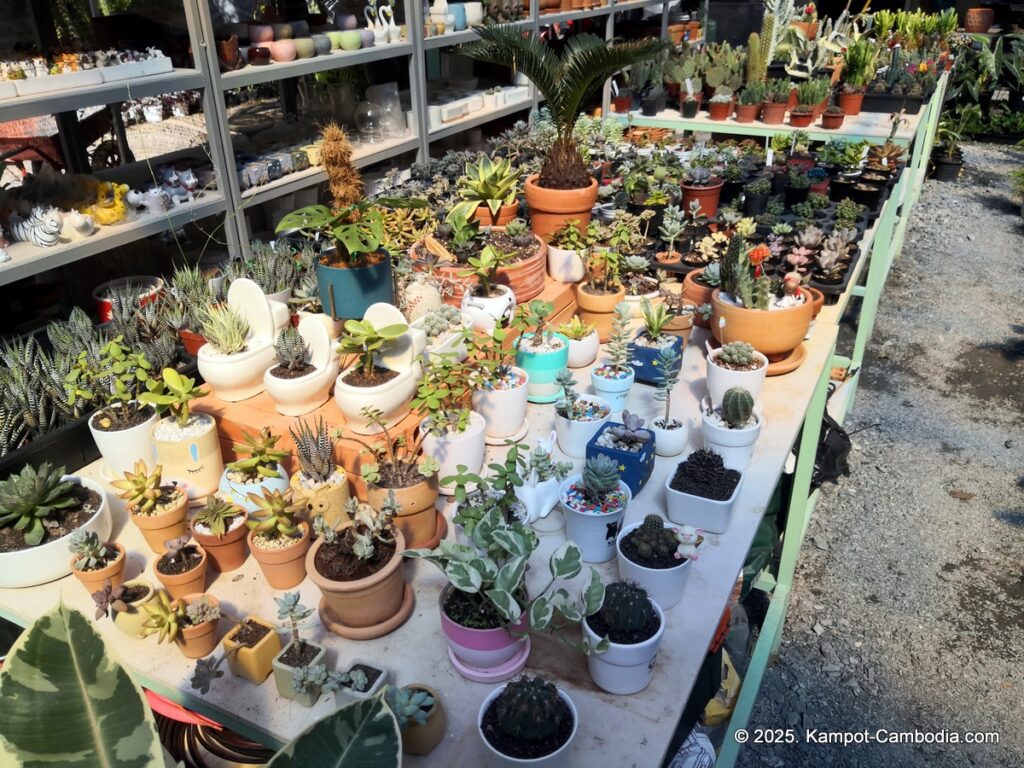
(632, 625)
(529, 720)
(594, 503)
(702, 491)
(630, 446)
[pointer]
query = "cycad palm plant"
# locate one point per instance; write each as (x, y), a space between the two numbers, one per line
(565, 81)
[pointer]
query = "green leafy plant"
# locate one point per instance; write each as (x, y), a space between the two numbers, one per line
(753, 93)
(274, 515)
(172, 393)
(443, 394)
(533, 316)
(262, 457)
(600, 477)
(216, 515)
(488, 183)
(618, 350)
(395, 462)
(485, 269)
(166, 618)
(363, 338)
(116, 378)
(225, 330)
(30, 500)
(656, 317)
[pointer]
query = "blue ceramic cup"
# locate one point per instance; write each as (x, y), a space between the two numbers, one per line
(458, 10)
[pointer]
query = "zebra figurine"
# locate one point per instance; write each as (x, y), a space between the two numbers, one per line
(42, 228)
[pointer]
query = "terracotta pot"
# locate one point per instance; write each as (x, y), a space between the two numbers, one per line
(505, 214)
(283, 568)
(326, 501)
(417, 515)
(156, 529)
(668, 257)
(93, 580)
(773, 113)
(525, 278)
(254, 663)
(130, 622)
(801, 119)
(681, 326)
(198, 642)
(226, 552)
(598, 309)
(421, 739)
(179, 585)
(851, 103)
(747, 113)
(364, 603)
(979, 19)
(191, 341)
(833, 121)
(773, 333)
(697, 294)
(817, 300)
(551, 208)
(707, 196)
(718, 110)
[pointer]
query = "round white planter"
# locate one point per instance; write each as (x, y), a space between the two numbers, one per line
(52, 560)
(707, 514)
(451, 344)
(625, 669)
(450, 451)
(594, 534)
(735, 446)
(486, 312)
(664, 585)
(573, 436)
(122, 449)
(565, 266)
(392, 399)
(635, 303)
(503, 410)
(238, 493)
(304, 394)
(582, 352)
(615, 391)
(669, 442)
(721, 380)
(236, 377)
(560, 758)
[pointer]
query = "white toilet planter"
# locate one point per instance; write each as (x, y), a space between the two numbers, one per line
(565, 266)
(304, 394)
(491, 311)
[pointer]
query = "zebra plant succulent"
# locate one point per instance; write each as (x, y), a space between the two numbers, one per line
(314, 448)
(291, 350)
(225, 330)
(31, 500)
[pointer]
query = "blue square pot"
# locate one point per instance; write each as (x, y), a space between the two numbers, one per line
(348, 293)
(635, 468)
(646, 372)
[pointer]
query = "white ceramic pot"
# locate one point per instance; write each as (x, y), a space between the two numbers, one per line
(451, 344)
(303, 394)
(123, 448)
(735, 446)
(615, 391)
(560, 758)
(664, 585)
(625, 669)
(345, 695)
(490, 100)
(573, 436)
(503, 410)
(594, 534)
(486, 312)
(466, 448)
(710, 515)
(669, 442)
(565, 266)
(236, 377)
(52, 560)
(474, 14)
(721, 380)
(582, 352)
(635, 303)
(238, 493)
(392, 399)
(539, 501)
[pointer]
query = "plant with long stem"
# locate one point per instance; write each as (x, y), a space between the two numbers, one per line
(667, 363)
(396, 462)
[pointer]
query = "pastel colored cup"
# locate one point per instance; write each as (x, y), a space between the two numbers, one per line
(352, 40)
(322, 43)
(282, 31)
(345, 21)
(335, 38)
(259, 54)
(260, 33)
(304, 47)
(300, 28)
(458, 12)
(283, 50)
(368, 37)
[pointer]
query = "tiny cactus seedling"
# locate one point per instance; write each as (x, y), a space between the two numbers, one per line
(737, 407)
(626, 607)
(530, 709)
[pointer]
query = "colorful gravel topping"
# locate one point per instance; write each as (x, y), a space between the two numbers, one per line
(610, 503)
(607, 372)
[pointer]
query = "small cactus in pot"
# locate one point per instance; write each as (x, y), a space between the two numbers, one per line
(737, 407)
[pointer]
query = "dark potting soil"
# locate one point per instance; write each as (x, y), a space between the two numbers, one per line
(521, 248)
(63, 522)
(461, 608)
(134, 592)
(298, 654)
(358, 378)
(334, 563)
(525, 750)
(280, 372)
(601, 628)
(188, 559)
(661, 563)
(372, 673)
(249, 633)
(720, 491)
(337, 262)
(120, 419)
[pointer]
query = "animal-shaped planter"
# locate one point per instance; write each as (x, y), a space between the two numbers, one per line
(110, 206)
(490, 311)
(175, 189)
(189, 181)
(82, 224)
(157, 201)
(540, 498)
(42, 228)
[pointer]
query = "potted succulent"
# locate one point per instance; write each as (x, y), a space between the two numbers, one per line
(750, 100)
(125, 605)
(277, 540)
(684, 313)
(630, 446)
(669, 432)
(672, 229)
(528, 721)
(832, 118)
(250, 647)
(487, 192)
(181, 569)
(776, 101)
(219, 528)
(360, 681)
(94, 562)
(233, 360)
(158, 511)
(578, 417)
(297, 654)
(359, 571)
(702, 186)
(187, 446)
(859, 66)
(594, 503)
(809, 94)
(566, 252)
(320, 487)
(654, 555)
(500, 390)
(736, 364)
(720, 105)
(649, 342)
(421, 717)
(564, 188)
(702, 492)
(190, 622)
(190, 293)
(483, 294)
(633, 625)
(583, 342)
(301, 379)
(541, 353)
(613, 379)
(445, 329)
(257, 468)
(731, 429)
(689, 103)
(755, 196)
(601, 291)
(798, 187)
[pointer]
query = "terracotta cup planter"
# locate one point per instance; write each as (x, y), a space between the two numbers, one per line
(421, 739)
(551, 208)
(697, 294)
(505, 214)
(227, 552)
(254, 663)
(156, 529)
(773, 113)
(191, 341)
(199, 641)
(773, 333)
(668, 257)
(598, 309)
(718, 110)
(831, 122)
(417, 515)
(851, 103)
(801, 119)
(706, 195)
(525, 278)
(283, 568)
(747, 113)
(178, 585)
(93, 580)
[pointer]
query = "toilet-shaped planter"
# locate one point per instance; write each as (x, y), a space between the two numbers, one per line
(304, 394)
(240, 376)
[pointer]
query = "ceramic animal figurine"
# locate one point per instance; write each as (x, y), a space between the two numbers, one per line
(387, 16)
(373, 17)
(110, 206)
(157, 200)
(189, 181)
(173, 187)
(82, 224)
(688, 538)
(538, 497)
(42, 228)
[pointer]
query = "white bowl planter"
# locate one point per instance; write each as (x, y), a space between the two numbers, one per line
(503, 410)
(450, 344)
(565, 266)
(574, 435)
(466, 448)
(582, 352)
(735, 446)
(391, 398)
(238, 493)
(344, 695)
(669, 442)
(709, 515)
(560, 758)
(614, 390)
(663, 585)
(121, 449)
(625, 669)
(594, 533)
(43, 563)
(721, 380)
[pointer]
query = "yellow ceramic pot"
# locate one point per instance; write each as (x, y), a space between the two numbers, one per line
(254, 663)
(130, 622)
(326, 501)
(194, 462)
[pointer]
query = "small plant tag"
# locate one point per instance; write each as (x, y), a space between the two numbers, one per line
(689, 88)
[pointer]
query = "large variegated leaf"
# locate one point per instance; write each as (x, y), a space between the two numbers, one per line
(505, 603)
(67, 701)
(463, 577)
(363, 734)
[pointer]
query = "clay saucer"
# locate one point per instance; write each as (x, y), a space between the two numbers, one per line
(335, 625)
(509, 669)
(789, 363)
(519, 435)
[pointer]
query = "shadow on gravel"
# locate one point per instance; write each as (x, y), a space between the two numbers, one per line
(999, 204)
(991, 373)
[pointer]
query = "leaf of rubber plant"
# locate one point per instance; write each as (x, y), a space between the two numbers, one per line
(60, 675)
(566, 561)
(505, 603)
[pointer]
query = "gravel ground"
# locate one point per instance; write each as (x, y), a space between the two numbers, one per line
(908, 606)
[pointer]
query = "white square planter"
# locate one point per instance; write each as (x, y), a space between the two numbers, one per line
(707, 514)
(344, 694)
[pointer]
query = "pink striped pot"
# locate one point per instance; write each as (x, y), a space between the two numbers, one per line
(482, 648)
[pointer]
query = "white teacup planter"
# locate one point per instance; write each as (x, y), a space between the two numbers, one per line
(502, 402)
(664, 584)
(707, 507)
(734, 445)
(452, 449)
(564, 265)
(593, 526)
(613, 385)
(625, 669)
(300, 395)
(722, 379)
(560, 758)
(574, 434)
(122, 448)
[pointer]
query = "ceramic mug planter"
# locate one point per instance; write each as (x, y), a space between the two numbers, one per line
(612, 385)
(178, 585)
(326, 500)
(484, 651)
(707, 514)
(93, 580)
(643, 359)
(283, 675)
(121, 449)
(422, 739)
(351, 40)
(237, 492)
(735, 446)
(226, 553)
(625, 669)
(450, 450)
(721, 379)
(593, 532)
(582, 352)
(560, 758)
(171, 523)
(252, 662)
(573, 434)
(282, 51)
(503, 410)
(663, 585)
(283, 568)
(564, 265)
(635, 467)
(197, 642)
(130, 621)
(487, 311)
(543, 367)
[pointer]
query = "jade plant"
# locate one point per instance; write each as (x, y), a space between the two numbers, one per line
(112, 382)
(533, 317)
(33, 500)
(171, 394)
(484, 268)
(364, 339)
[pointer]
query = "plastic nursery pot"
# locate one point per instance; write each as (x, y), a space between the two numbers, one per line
(573, 435)
(192, 581)
(199, 641)
(551, 208)
(542, 367)
(946, 168)
(612, 385)
(598, 309)
(283, 674)
(326, 500)
(422, 739)
(644, 357)
(735, 446)
(283, 568)
(707, 514)
(147, 288)
(747, 113)
(663, 585)
(706, 195)
(801, 119)
(504, 410)
(417, 516)
(635, 467)
(347, 292)
(156, 529)
(559, 758)
(93, 580)
(689, 107)
(773, 113)
(122, 448)
(253, 662)
(625, 669)
(227, 552)
(130, 621)
(593, 531)
(851, 103)
(483, 650)
(721, 379)
(832, 120)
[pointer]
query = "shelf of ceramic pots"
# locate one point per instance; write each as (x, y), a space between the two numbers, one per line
(583, 342)
(528, 721)
(594, 503)
(702, 492)
(305, 369)
(735, 365)
(219, 528)
(190, 622)
(657, 556)
(614, 377)
(320, 488)
(500, 390)
(421, 717)
(297, 654)
(630, 446)
(159, 511)
(631, 626)
(250, 647)
(278, 540)
(649, 342)
(732, 429)
(669, 432)
(181, 569)
(578, 417)
(258, 468)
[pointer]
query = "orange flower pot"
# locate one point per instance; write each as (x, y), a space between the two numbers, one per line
(199, 641)
(283, 568)
(773, 333)
(979, 19)
(851, 103)
(156, 529)
(773, 113)
(747, 113)
(505, 214)
(598, 309)
(417, 515)
(718, 110)
(178, 585)
(551, 208)
(226, 552)
(93, 580)
(698, 294)
(707, 195)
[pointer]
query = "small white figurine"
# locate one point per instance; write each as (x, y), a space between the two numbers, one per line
(689, 539)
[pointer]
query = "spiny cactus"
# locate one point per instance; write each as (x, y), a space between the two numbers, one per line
(755, 73)
(652, 539)
(704, 474)
(626, 607)
(315, 450)
(737, 407)
(737, 354)
(600, 476)
(530, 709)
(90, 553)
(225, 329)
(290, 349)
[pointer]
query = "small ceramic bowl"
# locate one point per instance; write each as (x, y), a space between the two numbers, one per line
(260, 33)
(352, 40)
(283, 31)
(322, 44)
(300, 28)
(335, 37)
(304, 47)
(259, 55)
(367, 37)
(283, 50)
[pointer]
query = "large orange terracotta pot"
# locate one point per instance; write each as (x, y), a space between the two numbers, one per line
(551, 208)
(706, 195)
(525, 278)
(505, 214)
(698, 294)
(773, 333)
